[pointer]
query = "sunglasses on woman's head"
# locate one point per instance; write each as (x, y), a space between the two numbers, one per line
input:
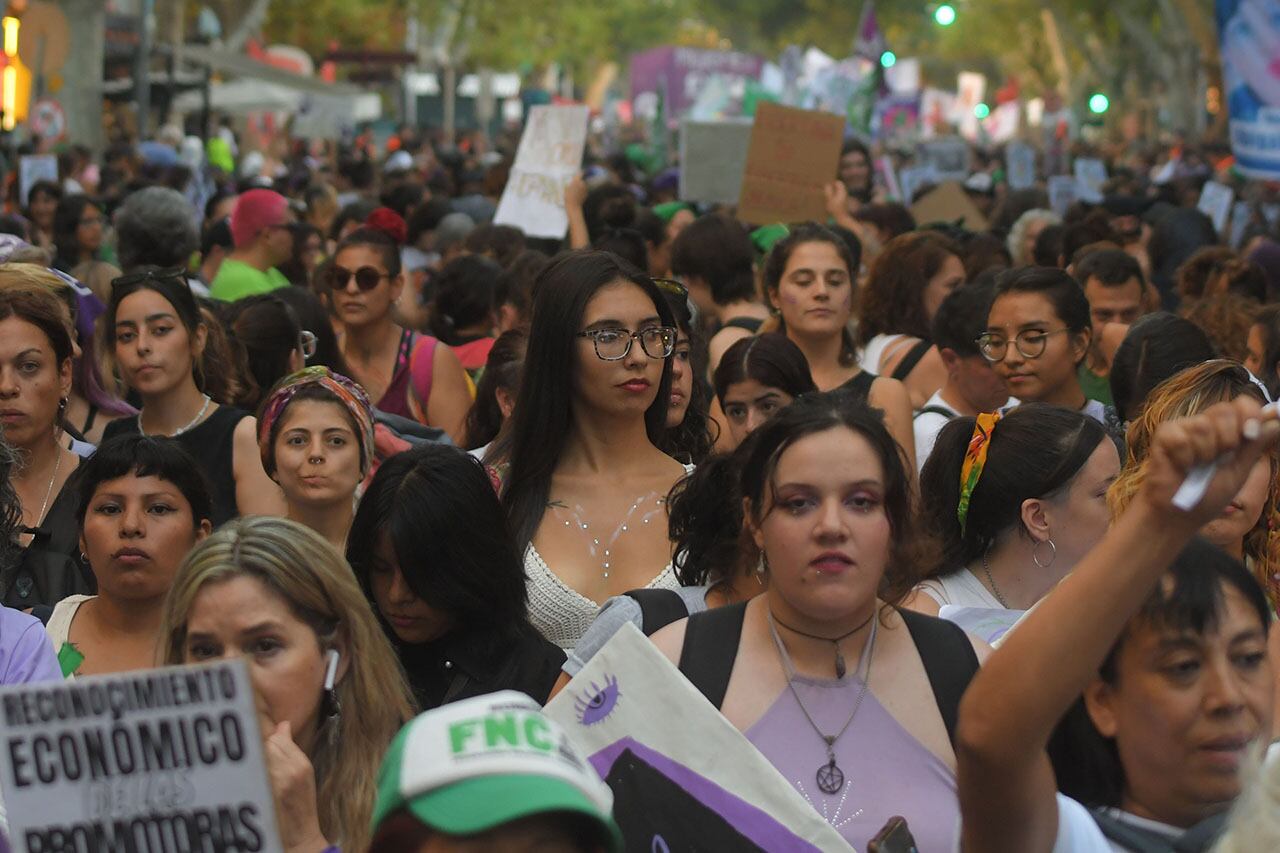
(367, 278)
(170, 274)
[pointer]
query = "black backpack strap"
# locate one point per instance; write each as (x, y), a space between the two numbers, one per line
(711, 648)
(949, 661)
(658, 608)
(910, 360)
(935, 410)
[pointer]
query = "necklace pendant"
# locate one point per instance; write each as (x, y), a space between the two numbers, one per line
(830, 777)
(840, 668)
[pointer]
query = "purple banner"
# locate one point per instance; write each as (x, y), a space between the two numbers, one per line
(679, 73)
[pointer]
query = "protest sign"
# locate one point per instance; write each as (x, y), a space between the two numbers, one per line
(678, 74)
(713, 155)
(1090, 175)
(152, 761)
(889, 176)
(971, 87)
(1215, 202)
(793, 154)
(949, 158)
(914, 179)
(698, 785)
(33, 168)
(1020, 165)
(1250, 31)
(1063, 192)
(549, 155)
(948, 202)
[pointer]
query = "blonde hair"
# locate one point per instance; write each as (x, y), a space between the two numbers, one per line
(320, 589)
(1186, 393)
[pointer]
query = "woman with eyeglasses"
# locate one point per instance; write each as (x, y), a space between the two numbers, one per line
(586, 489)
(315, 434)
(1038, 332)
(809, 278)
(159, 348)
(405, 373)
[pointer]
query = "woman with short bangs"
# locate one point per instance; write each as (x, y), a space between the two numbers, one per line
(330, 693)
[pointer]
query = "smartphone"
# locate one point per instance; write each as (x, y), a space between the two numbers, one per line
(895, 837)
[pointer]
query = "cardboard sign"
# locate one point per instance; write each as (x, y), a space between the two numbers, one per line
(549, 155)
(948, 202)
(157, 760)
(949, 158)
(1020, 165)
(713, 155)
(1215, 202)
(33, 168)
(793, 154)
(1063, 192)
(1090, 175)
(699, 785)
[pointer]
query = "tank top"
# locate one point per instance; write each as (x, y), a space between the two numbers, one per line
(859, 386)
(960, 588)
(560, 612)
(395, 400)
(887, 771)
(59, 630)
(874, 352)
(212, 445)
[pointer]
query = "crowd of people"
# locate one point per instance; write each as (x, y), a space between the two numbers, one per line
(415, 467)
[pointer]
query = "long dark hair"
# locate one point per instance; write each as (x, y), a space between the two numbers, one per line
(815, 413)
(541, 420)
(771, 359)
(1155, 348)
(691, 440)
(1035, 452)
(892, 300)
(1086, 764)
(439, 513)
(501, 370)
(66, 220)
(705, 521)
(269, 331)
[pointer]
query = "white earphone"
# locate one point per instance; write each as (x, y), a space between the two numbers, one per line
(331, 669)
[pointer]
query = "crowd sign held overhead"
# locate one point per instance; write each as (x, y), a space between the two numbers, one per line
(792, 156)
(1250, 29)
(713, 156)
(148, 762)
(549, 155)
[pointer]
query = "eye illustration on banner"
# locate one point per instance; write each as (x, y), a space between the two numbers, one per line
(596, 704)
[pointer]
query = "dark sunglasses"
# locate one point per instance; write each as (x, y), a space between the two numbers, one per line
(367, 278)
(170, 274)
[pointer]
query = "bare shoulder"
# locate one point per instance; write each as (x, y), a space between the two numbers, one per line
(670, 640)
(886, 391)
(246, 433)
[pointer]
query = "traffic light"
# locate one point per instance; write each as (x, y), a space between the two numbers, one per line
(888, 59)
(945, 15)
(1099, 103)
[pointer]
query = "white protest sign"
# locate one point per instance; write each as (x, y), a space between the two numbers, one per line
(549, 155)
(158, 761)
(1215, 202)
(697, 785)
(1090, 174)
(33, 168)
(1020, 165)
(713, 156)
(1063, 192)
(949, 158)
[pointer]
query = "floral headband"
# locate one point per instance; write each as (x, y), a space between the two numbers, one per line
(975, 459)
(350, 394)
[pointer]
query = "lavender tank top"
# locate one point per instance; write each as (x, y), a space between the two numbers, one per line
(887, 771)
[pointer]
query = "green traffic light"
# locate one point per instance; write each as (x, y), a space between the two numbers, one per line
(945, 15)
(1099, 103)
(982, 111)
(888, 59)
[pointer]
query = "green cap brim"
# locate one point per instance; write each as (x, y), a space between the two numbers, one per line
(480, 804)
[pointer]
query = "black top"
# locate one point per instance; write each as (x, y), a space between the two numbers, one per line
(750, 324)
(49, 569)
(459, 667)
(211, 443)
(860, 385)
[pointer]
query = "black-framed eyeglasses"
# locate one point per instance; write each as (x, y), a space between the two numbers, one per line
(614, 344)
(307, 343)
(367, 278)
(167, 274)
(1030, 343)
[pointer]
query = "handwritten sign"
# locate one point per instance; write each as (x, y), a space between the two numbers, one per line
(713, 156)
(549, 155)
(699, 785)
(793, 154)
(159, 760)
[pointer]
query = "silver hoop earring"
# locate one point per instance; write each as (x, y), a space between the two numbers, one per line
(1053, 553)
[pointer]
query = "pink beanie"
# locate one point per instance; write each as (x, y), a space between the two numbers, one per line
(256, 210)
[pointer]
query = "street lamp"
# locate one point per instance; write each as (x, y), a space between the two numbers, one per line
(1099, 103)
(945, 15)
(888, 59)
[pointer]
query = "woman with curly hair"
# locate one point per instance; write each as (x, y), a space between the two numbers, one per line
(908, 281)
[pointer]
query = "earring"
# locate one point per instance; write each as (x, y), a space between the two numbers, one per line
(762, 565)
(333, 706)
(1053, 553)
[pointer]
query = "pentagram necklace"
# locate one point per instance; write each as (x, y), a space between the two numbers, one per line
(830, 777)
